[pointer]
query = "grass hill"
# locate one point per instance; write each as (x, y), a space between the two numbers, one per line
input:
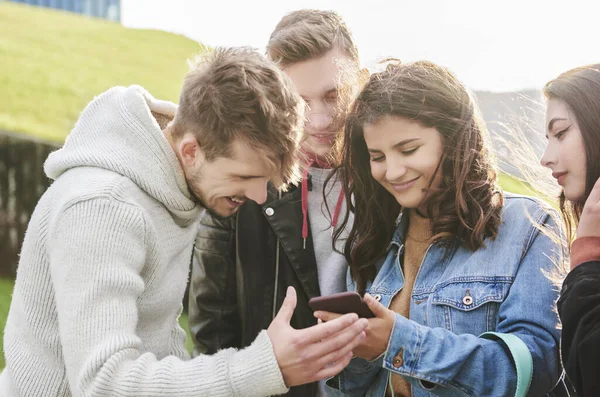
(6, 288)
(54, 63)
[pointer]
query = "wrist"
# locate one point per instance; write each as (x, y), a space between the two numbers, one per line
(585, 249)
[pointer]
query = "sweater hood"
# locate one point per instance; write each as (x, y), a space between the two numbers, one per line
(118, 132)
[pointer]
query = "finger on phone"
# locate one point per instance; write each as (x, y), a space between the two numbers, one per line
(327, 329)
(343, 341)
(326, 316)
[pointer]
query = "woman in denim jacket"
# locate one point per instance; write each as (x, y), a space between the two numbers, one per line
(442, 252)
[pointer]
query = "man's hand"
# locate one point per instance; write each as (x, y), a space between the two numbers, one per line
(589, 225)
(378, 331)
(314, 353)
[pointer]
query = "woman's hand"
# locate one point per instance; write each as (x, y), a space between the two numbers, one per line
(378, 331)
(589, 225)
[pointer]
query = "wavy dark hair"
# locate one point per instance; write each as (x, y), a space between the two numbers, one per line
(579, 88)
(465, 209)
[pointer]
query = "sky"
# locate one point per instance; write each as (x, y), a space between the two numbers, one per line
(505, 45)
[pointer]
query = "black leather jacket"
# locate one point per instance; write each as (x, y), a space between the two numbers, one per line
(579, 309)
(241, 270)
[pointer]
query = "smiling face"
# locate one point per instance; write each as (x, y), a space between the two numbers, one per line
(223, 184)
(404, 157)
(565, 153)
(324, 84)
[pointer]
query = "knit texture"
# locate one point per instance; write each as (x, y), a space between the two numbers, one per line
(103, 271)
(418, 239)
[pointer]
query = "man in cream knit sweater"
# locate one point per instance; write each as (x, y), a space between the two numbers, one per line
(105, 260)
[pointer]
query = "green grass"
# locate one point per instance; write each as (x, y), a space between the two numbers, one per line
(53, 63)
(6, 288)
(183, 321)
(515, 185)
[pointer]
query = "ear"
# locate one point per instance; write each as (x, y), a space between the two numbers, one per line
(189, 151)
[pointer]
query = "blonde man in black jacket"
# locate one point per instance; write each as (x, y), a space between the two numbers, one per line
(243, 265)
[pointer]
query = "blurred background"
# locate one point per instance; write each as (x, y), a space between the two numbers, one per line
(56, 55)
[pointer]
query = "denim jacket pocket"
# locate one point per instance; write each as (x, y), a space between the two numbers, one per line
(468, 306)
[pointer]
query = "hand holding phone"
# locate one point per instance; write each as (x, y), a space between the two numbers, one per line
(342, 303)
(380, 327)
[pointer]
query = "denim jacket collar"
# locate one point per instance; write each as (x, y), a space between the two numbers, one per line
(401, 225)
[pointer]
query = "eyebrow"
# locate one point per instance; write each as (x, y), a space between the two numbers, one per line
(554, 120)
(399, 144)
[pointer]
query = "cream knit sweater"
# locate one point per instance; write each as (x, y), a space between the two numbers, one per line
(103, 271)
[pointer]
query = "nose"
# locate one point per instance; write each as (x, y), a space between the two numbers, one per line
(257, 191)
(396, 169)
(549, 157)
(319, 121)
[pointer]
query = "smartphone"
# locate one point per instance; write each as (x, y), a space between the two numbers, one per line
(342, 303)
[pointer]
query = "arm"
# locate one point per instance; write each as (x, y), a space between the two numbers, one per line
(213, 314)
(95, 265)
(585, 249)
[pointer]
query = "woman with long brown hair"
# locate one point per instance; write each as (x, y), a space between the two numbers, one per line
(454, 268)
(573, 155)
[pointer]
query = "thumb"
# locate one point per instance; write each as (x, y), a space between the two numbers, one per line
(288, 306)
(376, 307)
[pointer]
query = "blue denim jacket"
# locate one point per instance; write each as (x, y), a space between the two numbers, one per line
(503, 287)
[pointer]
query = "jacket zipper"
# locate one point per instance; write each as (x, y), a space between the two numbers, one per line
(276, 286)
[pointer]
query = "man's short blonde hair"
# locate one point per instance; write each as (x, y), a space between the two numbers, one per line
(236, 93)
(306, 34)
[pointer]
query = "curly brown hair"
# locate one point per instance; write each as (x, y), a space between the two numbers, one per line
(465, 209)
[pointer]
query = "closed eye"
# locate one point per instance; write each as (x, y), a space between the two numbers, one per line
(377, 159)
(248, 177)
(409, 151)
(331, 98)
(560, 133)
(332, 95)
